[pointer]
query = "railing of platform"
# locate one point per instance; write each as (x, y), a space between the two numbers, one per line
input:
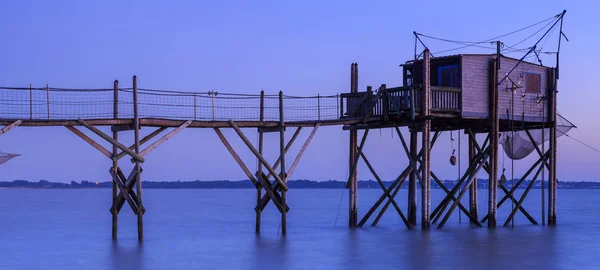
(372, 104)
(55, 104)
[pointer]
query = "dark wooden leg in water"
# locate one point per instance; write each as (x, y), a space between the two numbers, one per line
(473, 198)
(353, 184)
(115, 162)
(282, 158)
(260, 151)
(412, 182)
(425, 198)
(138, 165)
(494, 133)
(552, 181)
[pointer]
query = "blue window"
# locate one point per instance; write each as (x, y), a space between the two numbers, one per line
(448, 76)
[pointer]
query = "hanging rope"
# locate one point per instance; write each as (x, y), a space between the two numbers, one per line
(341, 197)
(452, 156)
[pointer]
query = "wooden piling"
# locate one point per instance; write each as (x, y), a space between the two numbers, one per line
(138, 164)
(473, 198)
(115, 160)
(425, 173)
(353, 185)
(48, 101)
(494, 134)
(259, 166)
(552, 180)
(282, 161)
(30, 102)
(412, 181)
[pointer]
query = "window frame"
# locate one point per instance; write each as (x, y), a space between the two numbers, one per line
(541, 89)
(439, 70)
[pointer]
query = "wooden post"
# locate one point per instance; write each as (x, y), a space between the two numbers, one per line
(552, 181)
(138, 166)
(425, 174)
(195, 117)
(338, 107)
(385, 104)
(282, 163)
(212, 95)
(412, 181)
(48, 100)
(473, 189)
(30, 102)
(115, 160)
(353, 187)
(259, 169)
(494, 133)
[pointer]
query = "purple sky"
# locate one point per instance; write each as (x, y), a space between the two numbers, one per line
(300, 47)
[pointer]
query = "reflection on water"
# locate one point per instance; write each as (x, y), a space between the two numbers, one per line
(126, 257)
(70, 229)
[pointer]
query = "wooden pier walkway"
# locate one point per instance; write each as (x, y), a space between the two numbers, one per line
(420, 105)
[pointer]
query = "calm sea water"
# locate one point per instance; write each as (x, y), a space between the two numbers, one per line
(214, 229)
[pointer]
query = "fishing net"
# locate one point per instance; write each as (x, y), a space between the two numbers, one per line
(519, 146)
(4, 157)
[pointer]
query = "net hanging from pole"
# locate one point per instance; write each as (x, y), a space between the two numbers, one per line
(520, 146)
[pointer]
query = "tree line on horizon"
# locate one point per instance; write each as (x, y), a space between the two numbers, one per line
(243, 184)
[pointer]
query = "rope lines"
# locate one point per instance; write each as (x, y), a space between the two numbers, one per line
(507, 49)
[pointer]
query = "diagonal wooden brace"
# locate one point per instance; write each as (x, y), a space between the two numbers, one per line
(355, 162)
(469, 174)
(460, 205)
(285, 150)
(265, 199)
(258, 155)
(90, 141)
(129, 182)
(537, 148)
(165, 138)
(9, 127)
(387, 204)
(272, 193)
(520, 202)
(512, 198)
(398, 180)
(126, 192)
(463, 191)
(401, 180)
(413, 160)
(111, 141)
(509, 194)
(236, 157)
(299, 156)
(143, 140)
(390, 197)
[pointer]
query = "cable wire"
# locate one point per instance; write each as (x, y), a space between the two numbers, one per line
(475, 43)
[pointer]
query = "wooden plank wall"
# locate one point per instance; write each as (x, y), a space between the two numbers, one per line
(475, 87)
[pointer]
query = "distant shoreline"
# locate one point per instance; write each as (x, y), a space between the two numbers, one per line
(246, 184)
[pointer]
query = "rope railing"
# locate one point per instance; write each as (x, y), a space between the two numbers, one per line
(57, 104)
